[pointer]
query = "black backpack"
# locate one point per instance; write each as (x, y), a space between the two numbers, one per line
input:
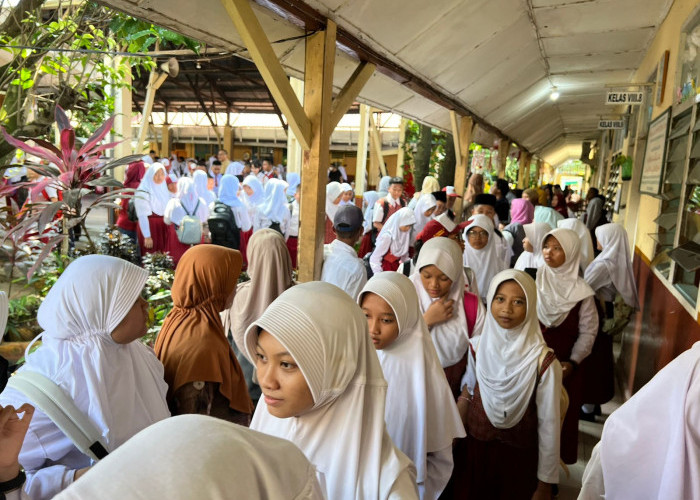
(131, 211)
(223, 228)
(276, 227)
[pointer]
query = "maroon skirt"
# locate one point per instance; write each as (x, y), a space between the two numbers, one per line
(293, 246)
(176, 249)
(365, 245)
(159, 235)
(243, 248)
(329, 234)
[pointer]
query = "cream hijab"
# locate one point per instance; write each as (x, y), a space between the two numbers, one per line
(157, 463)
(343, 435)
(507, 359)
(151, 198)
(450, 338)
(560, 289)
(486, 262)
(400, 240)
(119, 387)
(613, 265)
(270, 271)
(421, 414)
(584, 234)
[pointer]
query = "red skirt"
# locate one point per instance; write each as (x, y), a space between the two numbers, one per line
(365, 245)
(293, 246)
(176, 249)
(243, 247)
(159, 235)
(330, 234)
(390, 262)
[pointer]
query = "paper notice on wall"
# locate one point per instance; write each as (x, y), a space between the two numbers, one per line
(478, 161)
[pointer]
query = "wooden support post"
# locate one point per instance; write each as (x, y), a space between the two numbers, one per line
(122, 121)
(400, 154)
(165, 141)
(363, 137)
(294, 153)
(538, 175)
(265, 59)
(524, 170)
(503, 150)
(376, 143)
(228, 139)
(462, 135)
(349, 92)
(318, 94)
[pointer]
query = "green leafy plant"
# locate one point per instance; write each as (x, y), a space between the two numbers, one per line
(112, 242)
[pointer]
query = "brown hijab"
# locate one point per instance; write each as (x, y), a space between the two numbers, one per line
(192, 345)
(270, 271)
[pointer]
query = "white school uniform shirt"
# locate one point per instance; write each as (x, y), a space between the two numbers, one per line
(379, 207)
(344, 269)
(507, 362)
(392, 239)
(185, 203)
(150, 198)
(416, 380)
(293, 227)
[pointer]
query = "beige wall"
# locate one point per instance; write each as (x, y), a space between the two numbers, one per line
(667, 38)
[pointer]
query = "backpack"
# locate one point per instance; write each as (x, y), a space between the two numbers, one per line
(223, 228)
(385, 206)
(189, 232)
(275, 226)
(471, 310)
(131, 211)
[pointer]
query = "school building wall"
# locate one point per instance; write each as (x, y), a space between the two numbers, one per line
(666, 325)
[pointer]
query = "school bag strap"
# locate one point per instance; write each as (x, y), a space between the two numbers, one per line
(62, 411)
(471, 310)
(546, 358)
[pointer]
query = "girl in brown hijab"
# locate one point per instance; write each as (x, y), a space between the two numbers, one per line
(270, 271)
(201, 370)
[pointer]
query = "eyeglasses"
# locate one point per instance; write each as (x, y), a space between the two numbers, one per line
(477, 234)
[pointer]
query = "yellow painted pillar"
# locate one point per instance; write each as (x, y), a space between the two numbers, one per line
(503, 150)
(524, 170)
(294, 152)
(361, 166)
(165, 141)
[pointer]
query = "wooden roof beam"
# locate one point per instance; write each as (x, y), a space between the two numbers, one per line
(351, 89)
(260, 50)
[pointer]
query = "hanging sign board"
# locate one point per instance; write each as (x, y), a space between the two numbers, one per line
(652, 168)
(611, 124)
(626, 98)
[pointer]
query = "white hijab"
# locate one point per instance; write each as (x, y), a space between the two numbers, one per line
(343, 435)
(275, 206)
(200, 182)
(507, 359)
(400, 240)
(333, 190)
(157, 463)
(487, 262)
(580, 228)
(120, 387)
(425, 203)
(258, 196)
(370, 199)
(535, 233)
(649, 448)
(560, 289)
(158, 195)
(185, 203)
(416, 379)
(346, 188)
(293, 179)
(548, 215)
(451, 338)
(613, 264)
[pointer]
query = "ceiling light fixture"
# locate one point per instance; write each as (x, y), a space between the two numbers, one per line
(554, 95)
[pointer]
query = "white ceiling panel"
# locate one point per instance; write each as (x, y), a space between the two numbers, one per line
(599, 62)
(601, 43)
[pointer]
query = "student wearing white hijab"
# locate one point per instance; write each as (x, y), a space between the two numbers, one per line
(334, 193)
(293, 179)
(611, 272)
(254, 195)
(369, 200)
(421, 414)
(334, 412)
(228, 194)
(393, 242)
(429, 186)
(424, 209)
(201, 184)
(185, 203)
(439, 282)
(481, 252)
(511, 390)
(569, 320)
(150, 201)
(274, 211)
(383, 188)
(346, 198)
(650, 447)
(157, 463)
(532, 258)
(92, 318)
(580, 228)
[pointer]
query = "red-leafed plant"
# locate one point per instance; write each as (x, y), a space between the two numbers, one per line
(74, 172)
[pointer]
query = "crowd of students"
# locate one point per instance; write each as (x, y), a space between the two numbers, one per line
(436, 362)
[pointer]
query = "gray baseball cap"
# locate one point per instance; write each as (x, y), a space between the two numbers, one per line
(348, 218)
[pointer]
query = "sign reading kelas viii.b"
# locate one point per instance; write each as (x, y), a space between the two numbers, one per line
(629, 98)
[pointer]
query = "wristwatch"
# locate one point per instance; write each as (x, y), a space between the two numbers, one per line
(13, 484)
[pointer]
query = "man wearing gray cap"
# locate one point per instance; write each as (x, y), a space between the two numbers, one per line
(341, 266)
